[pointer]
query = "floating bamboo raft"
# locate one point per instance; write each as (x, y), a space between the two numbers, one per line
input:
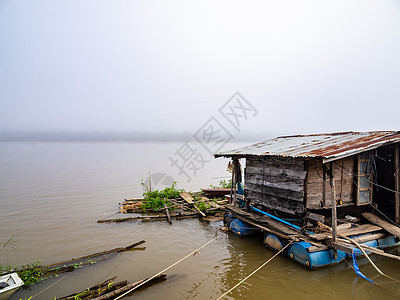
(184, 207)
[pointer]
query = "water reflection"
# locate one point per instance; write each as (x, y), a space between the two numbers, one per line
(52, 194)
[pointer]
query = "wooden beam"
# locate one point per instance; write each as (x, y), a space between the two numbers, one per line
(187, 197)
(288, 237)
(384, 224)
(361, 229)
(397, 181)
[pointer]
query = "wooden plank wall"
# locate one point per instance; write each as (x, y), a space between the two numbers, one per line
(343, 183)
(276, 183)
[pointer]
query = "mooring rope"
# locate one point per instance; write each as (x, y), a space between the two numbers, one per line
(174, 264)
(369, 259)
(45, 289)
(255, 271)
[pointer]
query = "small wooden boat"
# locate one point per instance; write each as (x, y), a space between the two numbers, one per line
(9, 284)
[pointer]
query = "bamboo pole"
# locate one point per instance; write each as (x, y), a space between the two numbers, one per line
(397, 181)
(124, 289)
(120, 249)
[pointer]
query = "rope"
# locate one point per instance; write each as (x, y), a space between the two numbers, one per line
(369, 259)
(174, 264)
(255, 271)
(49, 286)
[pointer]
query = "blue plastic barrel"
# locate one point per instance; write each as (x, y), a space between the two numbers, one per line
(274, 242)
(298, 252)
(242, 228)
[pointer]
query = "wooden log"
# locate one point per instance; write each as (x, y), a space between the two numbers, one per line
(167, 212)
(120, 249)
(91, 288)
(124, 289)
(179, 215)
(382, 223)
(52, 271)
(96, 291)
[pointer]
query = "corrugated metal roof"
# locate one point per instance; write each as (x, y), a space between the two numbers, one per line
(327, 146)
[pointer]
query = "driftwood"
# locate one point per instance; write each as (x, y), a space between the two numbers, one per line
(115, 250)
(182, 215)
(124, 289)
(97, 290)
(167, 212)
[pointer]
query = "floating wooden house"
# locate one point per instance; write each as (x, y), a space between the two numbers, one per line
(320, 177)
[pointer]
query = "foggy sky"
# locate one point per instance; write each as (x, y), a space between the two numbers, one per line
(305, 66)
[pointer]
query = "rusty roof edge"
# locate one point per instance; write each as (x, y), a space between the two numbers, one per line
(392, 137)
(338, 133)
(376, 144)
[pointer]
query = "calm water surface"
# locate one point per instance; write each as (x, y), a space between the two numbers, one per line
(52, 194)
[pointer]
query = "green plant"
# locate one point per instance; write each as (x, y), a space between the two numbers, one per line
(223, 184)
(156, 199)
(201, 205)
(31, 273)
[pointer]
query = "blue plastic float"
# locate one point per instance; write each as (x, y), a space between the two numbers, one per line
(242, 228)
(298, 251)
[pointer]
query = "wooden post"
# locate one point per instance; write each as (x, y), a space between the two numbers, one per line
(167, 212)
(323, 186)
(233, 178)
(234, 182)
(334, 212)
(397, 181)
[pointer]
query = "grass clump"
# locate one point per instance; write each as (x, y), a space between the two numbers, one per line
(29, 274)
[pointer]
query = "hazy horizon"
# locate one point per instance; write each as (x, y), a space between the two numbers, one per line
(109, 136)
(171, 66)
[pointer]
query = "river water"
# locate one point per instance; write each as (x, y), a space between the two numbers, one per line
(52, 194)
